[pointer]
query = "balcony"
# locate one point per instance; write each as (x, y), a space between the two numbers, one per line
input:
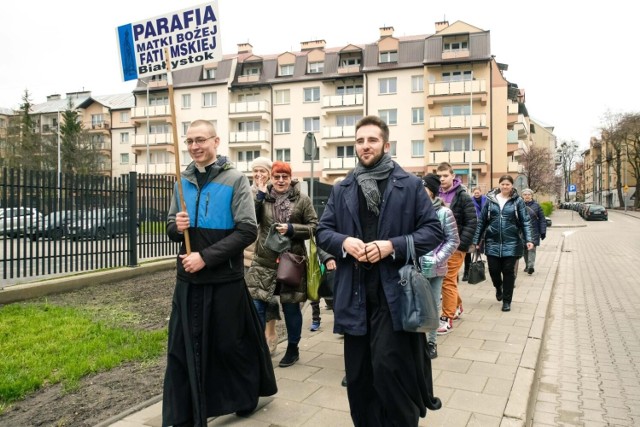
(97, 125)
(337, 165)
(457, 88)
(156, 141)
(350, 69)
(457, 122)
(250, 109)
(337, 101)
(139, 114)
(338, 132)
(252, 139)
(514, 167)
(457, 157)
(156, 168)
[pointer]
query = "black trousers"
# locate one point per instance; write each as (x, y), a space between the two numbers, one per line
(389, 379)
(503, 274)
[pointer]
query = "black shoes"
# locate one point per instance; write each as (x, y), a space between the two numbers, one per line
(506, 306)
(344, 381)
(290, 357)
(465, 276)
(499, 294)
(432, 350)
(530, 270)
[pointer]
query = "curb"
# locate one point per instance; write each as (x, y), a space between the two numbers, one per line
(133, 410)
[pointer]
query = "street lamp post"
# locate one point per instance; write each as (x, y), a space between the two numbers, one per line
(471, 131)
(59, 168)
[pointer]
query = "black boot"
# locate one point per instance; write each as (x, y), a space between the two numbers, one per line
(290, 357)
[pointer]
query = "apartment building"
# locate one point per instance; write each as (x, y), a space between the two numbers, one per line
(443, 95)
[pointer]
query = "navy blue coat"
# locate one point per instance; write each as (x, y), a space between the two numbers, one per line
(503, 230)
(538, 221)
(405, 209)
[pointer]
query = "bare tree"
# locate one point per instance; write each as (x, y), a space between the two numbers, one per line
(629, 126)
(566, 157)
(539, 168)
(615, 141)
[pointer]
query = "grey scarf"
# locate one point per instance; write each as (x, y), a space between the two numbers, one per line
(367, 180)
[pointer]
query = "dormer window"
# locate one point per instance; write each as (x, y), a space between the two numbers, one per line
(316, 67)
(209, 74)
(350, 62)
(389, 56)
(456, 45)
(286, 70)
(250, 70)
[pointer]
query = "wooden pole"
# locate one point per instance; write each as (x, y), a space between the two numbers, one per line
(176, 145)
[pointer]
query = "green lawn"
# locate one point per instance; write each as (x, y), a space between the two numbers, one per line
(42, 344)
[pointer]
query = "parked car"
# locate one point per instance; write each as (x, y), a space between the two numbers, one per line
(18, 221)
(594, 212)
(100, 224)
(152, 214)
(54, 225)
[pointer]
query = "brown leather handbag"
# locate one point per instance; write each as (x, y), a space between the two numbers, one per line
(292, 269)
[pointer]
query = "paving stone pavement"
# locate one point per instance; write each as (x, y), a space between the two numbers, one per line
(489, 365)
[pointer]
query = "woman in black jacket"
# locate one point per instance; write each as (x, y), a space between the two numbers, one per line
(538, 228)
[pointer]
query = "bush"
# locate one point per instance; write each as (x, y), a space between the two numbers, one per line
(547, 208)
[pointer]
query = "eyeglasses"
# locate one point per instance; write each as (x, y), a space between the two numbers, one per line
(197, 141)
(280, 177)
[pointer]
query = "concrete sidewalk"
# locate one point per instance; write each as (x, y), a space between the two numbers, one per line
(484, 373)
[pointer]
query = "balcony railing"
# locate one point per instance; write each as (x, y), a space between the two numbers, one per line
(457, 122)
(154, 110)
(97, 125)
(455, 88)
(249, 107)
(338, 163)
(339, 131)
(454, 157)
(154, 139)
(342, 100)
(156, 168)
(251, 136)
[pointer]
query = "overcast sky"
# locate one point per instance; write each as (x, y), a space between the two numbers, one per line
(576, 61)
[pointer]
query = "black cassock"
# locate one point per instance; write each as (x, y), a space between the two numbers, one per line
(218, 361)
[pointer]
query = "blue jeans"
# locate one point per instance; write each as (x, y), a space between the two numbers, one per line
(436, 289)
(292, 318)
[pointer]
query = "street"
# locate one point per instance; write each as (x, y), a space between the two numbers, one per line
(590, 361)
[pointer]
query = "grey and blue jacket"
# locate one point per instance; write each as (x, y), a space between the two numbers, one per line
(434, 263)
(222, 222)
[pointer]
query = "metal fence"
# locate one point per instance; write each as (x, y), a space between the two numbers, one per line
(52, 224)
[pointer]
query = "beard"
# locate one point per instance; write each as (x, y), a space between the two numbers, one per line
(372, 161)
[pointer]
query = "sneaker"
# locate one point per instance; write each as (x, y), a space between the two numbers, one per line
(432, 350)
(445, 326)
(459, 311)
(290, 357)
(315, 325)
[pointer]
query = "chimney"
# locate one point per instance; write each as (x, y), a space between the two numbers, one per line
(441, 25)
(386, 32)
(313, 44)
(245, 48)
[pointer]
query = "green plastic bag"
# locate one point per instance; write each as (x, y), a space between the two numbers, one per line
(314, 272)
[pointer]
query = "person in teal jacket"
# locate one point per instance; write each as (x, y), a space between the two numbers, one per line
(504, 220)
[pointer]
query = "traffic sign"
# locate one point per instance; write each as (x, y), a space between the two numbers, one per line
(572, 188)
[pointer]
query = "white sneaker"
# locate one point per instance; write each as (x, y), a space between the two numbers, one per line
(445, 326)
(459, 311)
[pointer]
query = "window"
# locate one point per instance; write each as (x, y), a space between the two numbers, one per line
(185, 127)
(346, 151)
(248, 156)
(124, 138)
(387, 85)
(159, 128)
(349, 89)
(390, 56)
(155, 100)
(250, 70)
(312, 124)
(393, 145)
(209, 99)
(124, 158)
(348, 120)
(455, 110)
(311, 94)
(97, 120)
(316, 67)
(283, 154)
(282, 96)
(209, 73)
(248, 97)
(390, 117)
(417, 115)
(456, 144)
(349, 62)
(417, 83)
(249, 126)
(186, 100)
(455, 45)
(417, 148)
(124, 117)
(283, 125)
(97, 140)
(456, 76)
(286, 70)
(159, 77)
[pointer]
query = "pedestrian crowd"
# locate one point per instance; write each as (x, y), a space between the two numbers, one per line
(241, 269)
